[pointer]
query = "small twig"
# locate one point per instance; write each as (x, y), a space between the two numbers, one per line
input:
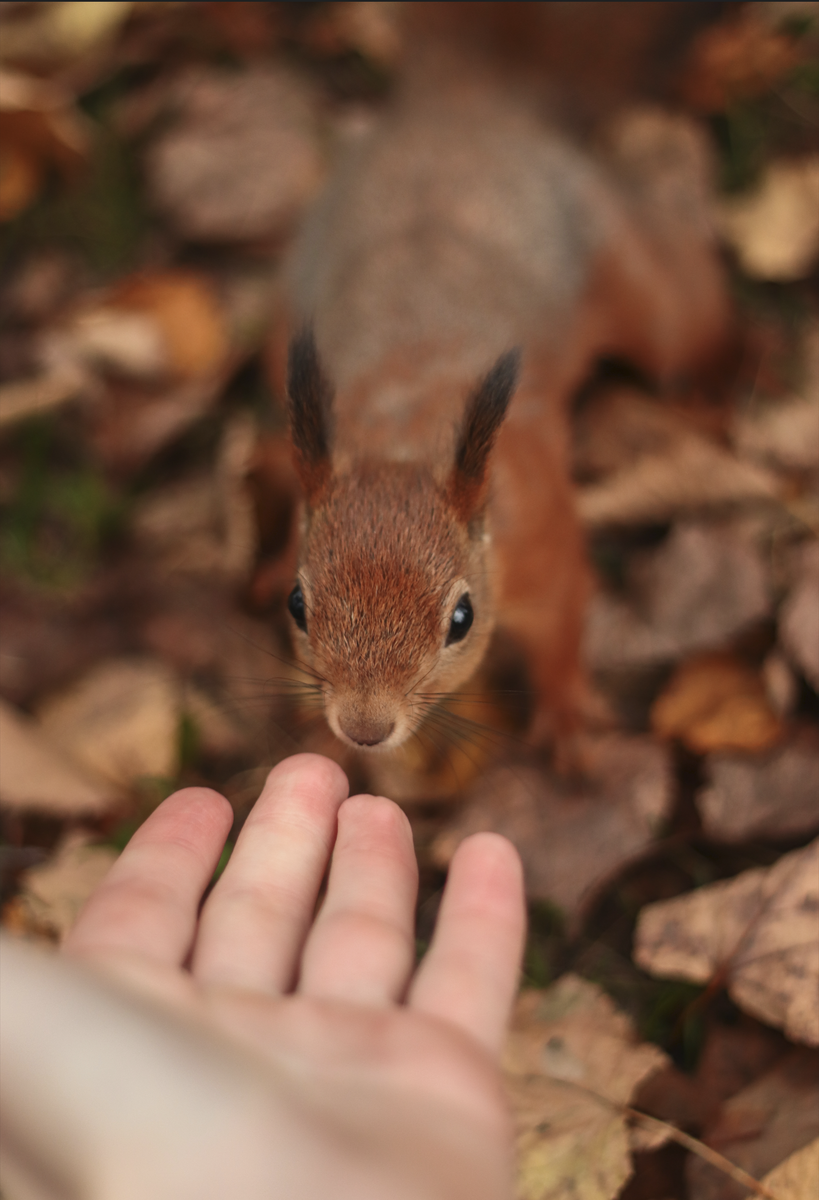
(705, 1152)
(717, 1160)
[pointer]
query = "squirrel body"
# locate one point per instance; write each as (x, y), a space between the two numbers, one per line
(434, 469)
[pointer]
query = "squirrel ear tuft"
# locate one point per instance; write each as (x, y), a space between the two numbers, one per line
(485, 410)
(310, 397)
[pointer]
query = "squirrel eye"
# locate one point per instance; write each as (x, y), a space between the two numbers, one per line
(462, 619)
(295, 603)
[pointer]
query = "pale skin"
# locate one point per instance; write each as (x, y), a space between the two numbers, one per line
(333, 1065)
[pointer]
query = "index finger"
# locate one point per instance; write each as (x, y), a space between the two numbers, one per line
(147, 904)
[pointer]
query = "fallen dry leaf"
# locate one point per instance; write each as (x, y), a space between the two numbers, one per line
(701, 587)
(760, 1126)
(40, 129)
(775, 229)
(715, 702)
(617, 637)
(799, 616)
(572, 838)
(760, 931)
(121, 720)
(153, 355)
(571, 1063)
(732, 1057)
(740, 56)
(777, 796)
(53, 893)
(150, 325)
(797, 1178)
(242, 159)
(654, 465)
(37, 776)
(184, 306)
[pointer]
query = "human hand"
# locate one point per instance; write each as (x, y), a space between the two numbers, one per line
(384, 1081)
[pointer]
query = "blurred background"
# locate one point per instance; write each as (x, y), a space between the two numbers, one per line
(155, 162)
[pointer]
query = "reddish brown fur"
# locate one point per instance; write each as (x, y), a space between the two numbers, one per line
(469, 229)
(382, 550)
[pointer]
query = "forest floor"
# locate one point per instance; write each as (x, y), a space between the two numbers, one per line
(155, 163)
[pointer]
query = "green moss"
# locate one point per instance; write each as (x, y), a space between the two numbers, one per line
(58, 516)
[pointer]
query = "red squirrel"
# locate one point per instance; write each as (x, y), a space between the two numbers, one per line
(464, 269)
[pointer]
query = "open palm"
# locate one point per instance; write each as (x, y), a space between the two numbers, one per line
(390, 1072)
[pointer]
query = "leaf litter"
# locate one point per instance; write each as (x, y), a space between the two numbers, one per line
(572, 1064)
(758, 934)
(137, 343)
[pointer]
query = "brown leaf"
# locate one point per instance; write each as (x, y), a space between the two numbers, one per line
(571, 1063)
(242, 159)
(740, 56)
(53, 894)
(572, 837)
(37, 776)
(798, 1176)
(714, 702)
(20, 178)
(655, 465)
(760, 929)
(185, 309)
(151, 325)
(775, 797)
(760, 1126)
(151, 354)
(40, 129)
(121, 720)
(732, 1057)
(702, 586)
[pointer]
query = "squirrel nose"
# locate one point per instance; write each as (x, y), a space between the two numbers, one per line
(367, 733)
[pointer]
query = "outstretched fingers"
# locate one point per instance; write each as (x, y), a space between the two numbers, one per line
(146, 906)
(254, 923)
(362, 946)
(469, 975)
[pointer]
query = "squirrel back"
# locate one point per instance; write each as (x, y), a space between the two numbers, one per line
(462, 229)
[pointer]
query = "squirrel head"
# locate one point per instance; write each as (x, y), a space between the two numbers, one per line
(393, 604)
